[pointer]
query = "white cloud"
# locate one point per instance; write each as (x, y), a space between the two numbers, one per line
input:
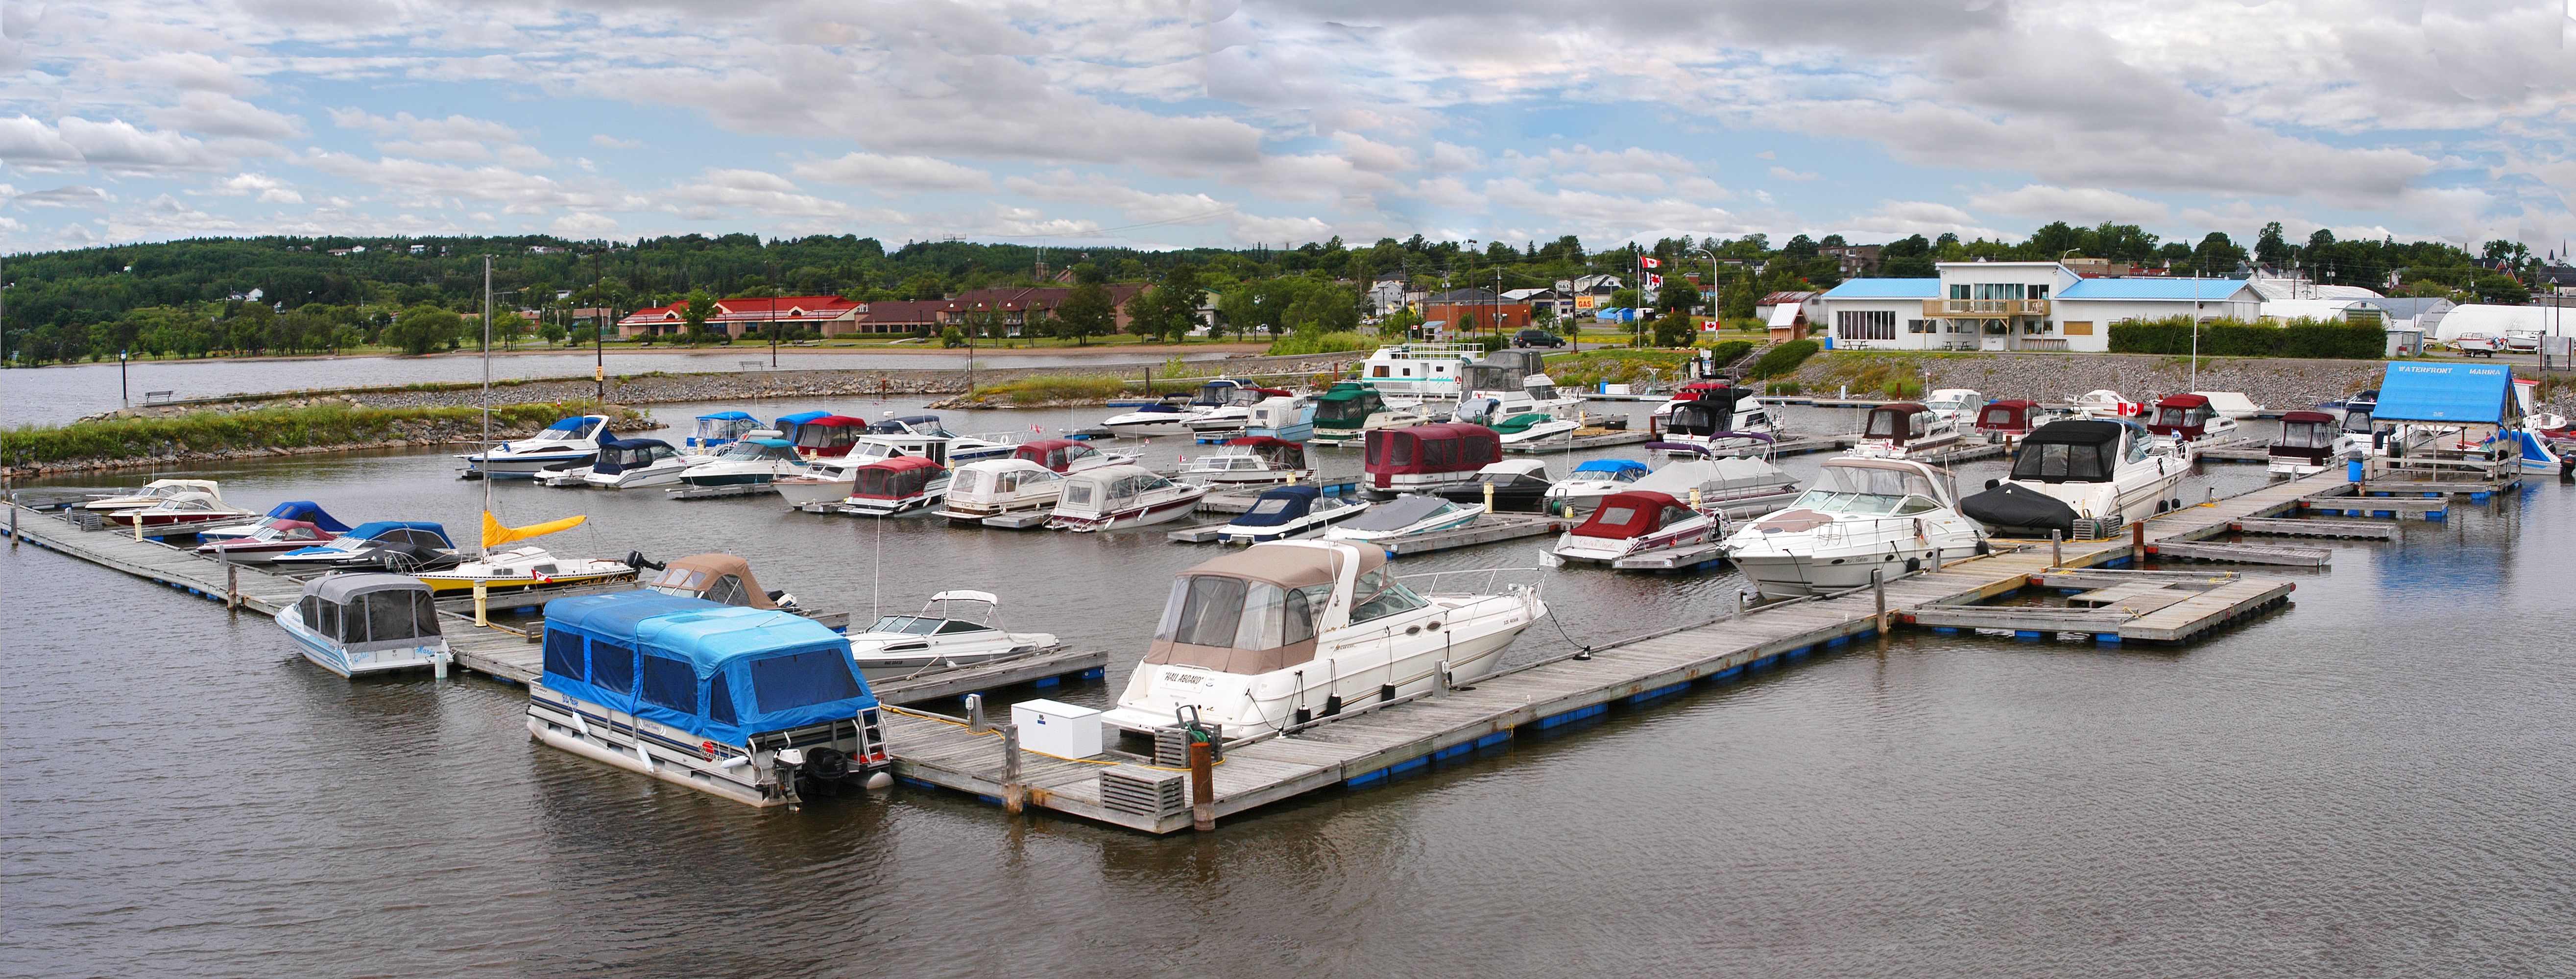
(69, 195)
(266, 189)
(2078, 205)
(614, 143)
(584, 226)
(1785, 173)
(894, 173)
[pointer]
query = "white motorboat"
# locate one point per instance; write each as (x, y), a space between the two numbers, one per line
(954, 628)
(749, 462)
(262, 546)
(755, 706)
(1890, 515)
(724, 579)
(1956, 404)
(1738, 486)
(1250, 461)
(181, 513)
(1905, 430)
(953, 449)
(1722, 421)
(151, 493)
(361, 624)
(1352, 409)
(2191, 423)
(626, 464)
(1577, 494)
(523, 568)
(1286, 632)
(402, 547)
(2312, 442)
(566, 443)
(824, 483)
(890, 486)
(1410, 515)
(1510, 384)
(1288, 513)
(2084, 479)
(1635, 523)
(1000, 487)
(302, 512)
(1232, 414)
(1173, 419)
(1538, 427)
(720, 429)
(1119, 497)
(2105, 403)
(1290, 417)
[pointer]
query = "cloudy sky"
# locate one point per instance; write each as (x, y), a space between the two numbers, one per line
(1172, 123)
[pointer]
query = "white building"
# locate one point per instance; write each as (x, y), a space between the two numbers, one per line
(2495, 321)
(2017, 306)
(2408, 313)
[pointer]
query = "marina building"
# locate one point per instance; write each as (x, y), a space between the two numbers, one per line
(2016, 306)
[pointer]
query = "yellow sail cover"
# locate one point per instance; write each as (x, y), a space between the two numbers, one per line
(495, 535)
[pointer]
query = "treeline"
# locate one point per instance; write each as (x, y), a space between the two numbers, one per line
(297, 294)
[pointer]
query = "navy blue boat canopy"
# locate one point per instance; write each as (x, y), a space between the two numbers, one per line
(1275, 507)
(309, 512)
(377, 528)
(717, 671)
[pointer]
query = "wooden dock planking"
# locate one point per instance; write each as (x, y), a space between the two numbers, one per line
(2302, 557)
(2316, 528)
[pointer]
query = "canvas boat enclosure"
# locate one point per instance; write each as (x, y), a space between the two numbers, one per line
(1891, 487)
(617, 455)
(1279, 453)
(273, 535)
(1217, 393)
(1630, 514)
(998, 479)
(1706, 416)
(1518, 484)
(1061, 455)
(1611, 470)
(1283, 506)
(1259, 611)
(2076, 452)
(2308, 436)
(2007, 417)
(1403, 512)
(1347, 406)
(894, 479)
(912, 425)
(1108, 490)
(1897, 423)
(786, 425)
(308, 512)
(367, 612)
(828, 436)
(720, 428)
(2183, 416)
(1446, 447)
(720, 578)
(577, 429)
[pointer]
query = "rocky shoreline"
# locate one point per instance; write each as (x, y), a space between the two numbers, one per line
(465, 434)
(2276, 383)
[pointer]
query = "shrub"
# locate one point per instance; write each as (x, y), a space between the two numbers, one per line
(1057, 387)
(1782, 387)
(2301, 338)
(1783, 359)
(1315, 342)
(1730, 351)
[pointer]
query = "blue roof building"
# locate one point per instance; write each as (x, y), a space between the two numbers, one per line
(2018, 306)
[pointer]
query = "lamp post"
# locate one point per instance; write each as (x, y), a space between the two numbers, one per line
(124, 389)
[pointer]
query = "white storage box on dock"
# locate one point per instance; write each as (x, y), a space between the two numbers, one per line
(1062, 730)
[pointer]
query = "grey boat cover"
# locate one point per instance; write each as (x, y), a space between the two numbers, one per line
(1399, 513)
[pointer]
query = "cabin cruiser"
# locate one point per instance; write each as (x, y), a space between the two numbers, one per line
(953, 449)
(304, 512)
(825, 482)
(1576, 494)
(1250, 461)
(1514, 485)
(754, 706)
(1233, 414)
(2084, 479)
(1694, 391)
(2312, 442)
(1289, 417)
(1070, 456)
(1420, 372)
(999, 488)
(636, 464)
(788, 426)
(1173, 419)
(181, 513)
(750, 462)
(2231, 404)
(151, 493)
(274, 537)
(2105, 403)
(1426, 457)
(566, 443)
(1285, 632)
(1904, 429)
(1510, 384)
(1956, 404)
(2009, 421)
(359, 624)
(1738, 486)
(1288, 512)
(718, 430)
(523, 568)
(828, 437)
(384, 545)
(1892, 515)
(1352, 409)
(1119, 497)
(1410, 515)
(1537, 427)
(1634, 523)
(891, 486)
(1723, 421)
(2191, 422)
(954, 628)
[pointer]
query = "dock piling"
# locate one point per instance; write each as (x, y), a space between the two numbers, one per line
(482, 598)
(1014, 795)
(232, 586)
(1878, 591)
(975, 723)
(2056, 550)
(2138, 542)
(1202, 786)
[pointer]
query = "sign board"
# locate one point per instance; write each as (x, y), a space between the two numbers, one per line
(1583, 302)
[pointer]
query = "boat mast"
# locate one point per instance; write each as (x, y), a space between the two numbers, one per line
(480, 549)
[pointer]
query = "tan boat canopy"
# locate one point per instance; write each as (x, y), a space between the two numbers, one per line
(714, 577)
(1254, 611)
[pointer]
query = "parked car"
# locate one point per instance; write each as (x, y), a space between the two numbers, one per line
(1537, 338)
(2475, 345)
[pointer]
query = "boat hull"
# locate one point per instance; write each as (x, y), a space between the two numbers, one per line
(526, 466)
(1791, 575)
(1152, 513)
(455, 584)
(620, 740)
(351, 665)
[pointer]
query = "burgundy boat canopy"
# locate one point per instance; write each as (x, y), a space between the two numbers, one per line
(1634, 513)
(1056, 454)
(829, 436)
(2010, 416)
(2182, 416)
(893, 479)
(1447, 447)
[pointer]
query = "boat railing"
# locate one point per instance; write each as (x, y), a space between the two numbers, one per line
(1538, 578)
(1844, 531)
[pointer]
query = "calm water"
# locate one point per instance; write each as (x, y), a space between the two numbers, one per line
(2375, 782)
(62, 393)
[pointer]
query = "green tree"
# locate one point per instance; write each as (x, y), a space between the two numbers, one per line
(1674, 330)
(2501, 290)
(1322, 308)
(507, 327)
(552, 332)
(694, 312)
(1678, 295)
(2271, 248)
(423, 328)
(1170, 309)
(1086, 312)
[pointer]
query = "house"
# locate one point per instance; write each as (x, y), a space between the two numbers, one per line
(1016, 308)
(900, 316)
(1561, 304)
(737, 318)
(1858, 261)
(2017, 306)
(1491, 315)
(1804, 303)
(1386, 295)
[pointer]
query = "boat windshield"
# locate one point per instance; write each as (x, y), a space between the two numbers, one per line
(2356, 420)
(1379, 595)
(2305, 435)
(922, 625)
(2058, 462)
(1868, 490)
(724, 428)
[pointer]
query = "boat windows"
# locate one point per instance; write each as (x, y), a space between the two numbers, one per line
(720, 700)
(1382, 596)
(1204, 610)
(2305, 435)
(1270, 507)
(1077, 494)
(1916, 504)
(612, 666)
(1616, 515)
(1673, 515)
(563, 654)
(669, 683)
(968, 482)
(2059, 462)
(802, 680)
(728, 590)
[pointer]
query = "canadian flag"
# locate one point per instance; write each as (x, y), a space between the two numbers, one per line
(1652, 263)
(1654, 282)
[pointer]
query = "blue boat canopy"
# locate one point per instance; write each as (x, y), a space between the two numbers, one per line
(1282, 505)
(719, 672)
(727, 416)
(790, 421)
(1613, 466)
(375, 529)
(2454, 393)
(309, 512)
(773, 443)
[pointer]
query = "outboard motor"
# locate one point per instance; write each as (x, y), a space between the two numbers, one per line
(635, 559)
